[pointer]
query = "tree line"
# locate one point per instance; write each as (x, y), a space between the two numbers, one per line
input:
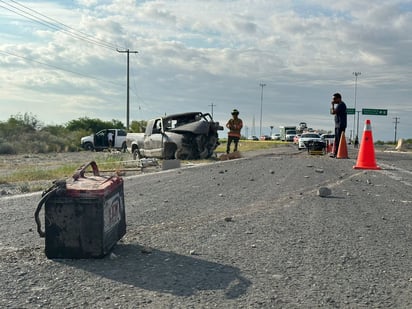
(25, 133)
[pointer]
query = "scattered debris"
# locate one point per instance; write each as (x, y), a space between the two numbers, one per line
(324, 192)
(230, 156)
(145, 162)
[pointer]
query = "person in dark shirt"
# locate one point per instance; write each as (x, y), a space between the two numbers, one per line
(339, 110)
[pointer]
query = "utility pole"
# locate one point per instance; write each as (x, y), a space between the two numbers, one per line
(396, 127)
(357, 127)
(212, 105)
(356, 88)
(128, 101)
(261, 107)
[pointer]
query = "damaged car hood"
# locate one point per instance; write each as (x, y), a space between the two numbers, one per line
(197, 127)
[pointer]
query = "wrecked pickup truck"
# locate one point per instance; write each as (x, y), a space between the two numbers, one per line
(185, 136)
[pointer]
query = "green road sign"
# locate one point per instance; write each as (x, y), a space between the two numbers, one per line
(376, 112)
(350, 111)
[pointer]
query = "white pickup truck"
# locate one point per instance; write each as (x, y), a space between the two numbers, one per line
(183, 136)
(100, 141)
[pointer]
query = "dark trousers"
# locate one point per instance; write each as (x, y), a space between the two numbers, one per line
(231, 139)
(338, 133)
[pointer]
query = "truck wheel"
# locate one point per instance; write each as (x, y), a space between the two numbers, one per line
(88, 146)
(136, 154)
(124, 147)
(169, 152)
(204, 154)
(180, 155)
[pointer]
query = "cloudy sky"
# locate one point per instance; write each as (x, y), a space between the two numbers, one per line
(60, 60)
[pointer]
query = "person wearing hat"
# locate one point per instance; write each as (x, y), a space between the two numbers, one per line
(234, 125)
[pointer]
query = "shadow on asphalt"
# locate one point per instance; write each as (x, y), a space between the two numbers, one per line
(163, 271)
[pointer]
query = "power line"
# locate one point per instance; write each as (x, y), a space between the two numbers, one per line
(33, 15)
(58, 68)
(37, 17)
(54, 24)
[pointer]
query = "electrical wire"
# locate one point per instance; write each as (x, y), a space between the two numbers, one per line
(39, 18)
(54, 24)
(58, 68)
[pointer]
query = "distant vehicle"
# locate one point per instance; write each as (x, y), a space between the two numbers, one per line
(265, 138)
(276, 136)
(328, 137)
(99, 141)
(253, 138)
(308, 137)
(296, 139)
(302, 126)
(290, 134)
(284, 132)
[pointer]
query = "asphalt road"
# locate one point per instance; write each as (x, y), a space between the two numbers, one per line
(247, 233)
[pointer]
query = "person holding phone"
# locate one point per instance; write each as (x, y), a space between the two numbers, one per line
(339, 110)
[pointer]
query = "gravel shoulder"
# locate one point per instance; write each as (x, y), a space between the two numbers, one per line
(42, 162)
(249, 233)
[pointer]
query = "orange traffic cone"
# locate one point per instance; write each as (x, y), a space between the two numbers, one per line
(333, 147)
(343, 148)
(366, 156)
(329, 146)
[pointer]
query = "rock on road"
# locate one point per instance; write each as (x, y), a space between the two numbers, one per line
(247, 233)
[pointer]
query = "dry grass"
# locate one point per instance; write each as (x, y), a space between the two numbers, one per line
(246, 145)
(46, 167)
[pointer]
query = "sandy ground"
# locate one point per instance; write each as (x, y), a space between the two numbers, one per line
(28, 162)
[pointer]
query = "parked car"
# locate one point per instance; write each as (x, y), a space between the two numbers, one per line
(305, 138)
(328, 137)
(100, 140)
(276, 136)
(329, 140)
(296, 139)
(265, 138)
(290, 134)
(253, 138)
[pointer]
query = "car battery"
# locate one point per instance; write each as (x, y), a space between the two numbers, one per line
(84, 215)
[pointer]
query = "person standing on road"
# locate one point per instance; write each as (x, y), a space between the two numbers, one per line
(339, 110)
(234, 125)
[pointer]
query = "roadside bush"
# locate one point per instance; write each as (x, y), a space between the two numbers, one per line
(7, 149)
